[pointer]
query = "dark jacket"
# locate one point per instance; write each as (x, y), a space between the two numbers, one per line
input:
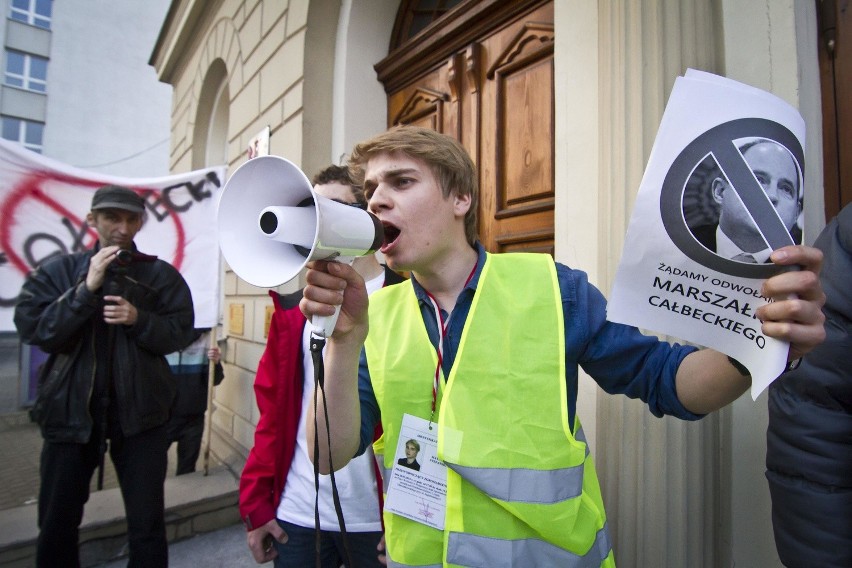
(56, 312)
(809, 439)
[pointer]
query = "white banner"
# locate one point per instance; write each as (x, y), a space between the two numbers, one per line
(43, 207)
(722, 189)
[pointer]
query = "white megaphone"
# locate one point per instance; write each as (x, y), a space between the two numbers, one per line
(272, 223)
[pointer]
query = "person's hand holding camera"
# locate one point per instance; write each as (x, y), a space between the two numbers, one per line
(118, 310)
(98, 265)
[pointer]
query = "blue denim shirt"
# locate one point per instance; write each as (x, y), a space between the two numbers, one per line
(618, 357)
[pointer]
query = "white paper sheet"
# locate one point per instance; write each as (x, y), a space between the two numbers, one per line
(668, 281)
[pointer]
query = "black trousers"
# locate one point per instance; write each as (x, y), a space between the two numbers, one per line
(66, 474)
(187, 431)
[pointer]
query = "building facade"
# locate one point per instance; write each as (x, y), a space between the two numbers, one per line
(77, 88)
(324, 74)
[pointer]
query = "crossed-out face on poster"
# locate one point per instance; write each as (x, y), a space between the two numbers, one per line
(724, 187)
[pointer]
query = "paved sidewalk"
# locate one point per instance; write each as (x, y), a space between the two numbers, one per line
(224, 548)
(20, 448)
(20, 444)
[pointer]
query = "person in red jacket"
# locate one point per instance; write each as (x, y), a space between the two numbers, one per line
(277, 491)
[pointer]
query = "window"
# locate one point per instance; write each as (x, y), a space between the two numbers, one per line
(414, 16)
(26, 132)
(26, 71)
(34, 12)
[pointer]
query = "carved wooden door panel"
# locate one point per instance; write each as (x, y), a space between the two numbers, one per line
(483, 73)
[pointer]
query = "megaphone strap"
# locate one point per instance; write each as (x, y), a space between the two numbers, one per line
(317, 344)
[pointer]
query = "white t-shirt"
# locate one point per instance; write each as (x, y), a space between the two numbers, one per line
(356, 483)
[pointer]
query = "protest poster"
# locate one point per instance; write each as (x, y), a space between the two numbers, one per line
(43, 207)
(723, 188)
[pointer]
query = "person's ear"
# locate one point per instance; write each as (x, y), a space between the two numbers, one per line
(90, 219)
(461, 204)
(719, 186)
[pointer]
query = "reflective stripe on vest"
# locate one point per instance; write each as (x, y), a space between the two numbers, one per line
(472, 550)
(527, 485)
(516, 472)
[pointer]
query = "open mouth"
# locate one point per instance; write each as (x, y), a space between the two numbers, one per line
(391, 234)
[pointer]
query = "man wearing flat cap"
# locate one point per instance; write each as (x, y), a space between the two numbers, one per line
(107, 317)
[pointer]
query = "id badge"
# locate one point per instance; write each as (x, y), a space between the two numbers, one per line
(417, 488)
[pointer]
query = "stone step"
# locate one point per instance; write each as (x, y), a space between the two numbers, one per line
(195, 504)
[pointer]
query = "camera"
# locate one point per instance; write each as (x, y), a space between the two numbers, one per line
(123, 257)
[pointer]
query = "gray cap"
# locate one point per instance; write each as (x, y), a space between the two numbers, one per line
(117, 197)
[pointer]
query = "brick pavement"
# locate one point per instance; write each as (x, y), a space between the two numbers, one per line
(20, 444)
(20, 449)
(195, 506)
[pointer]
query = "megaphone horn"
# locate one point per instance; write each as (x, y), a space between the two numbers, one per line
(272, 223)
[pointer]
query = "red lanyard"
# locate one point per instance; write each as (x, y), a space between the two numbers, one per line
(442, 333)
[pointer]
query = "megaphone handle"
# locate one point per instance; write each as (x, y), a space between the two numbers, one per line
(323, 326)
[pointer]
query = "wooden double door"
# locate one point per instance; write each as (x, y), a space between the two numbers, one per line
(483, 73)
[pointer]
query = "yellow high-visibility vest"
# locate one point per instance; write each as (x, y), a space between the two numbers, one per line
(521, 488)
